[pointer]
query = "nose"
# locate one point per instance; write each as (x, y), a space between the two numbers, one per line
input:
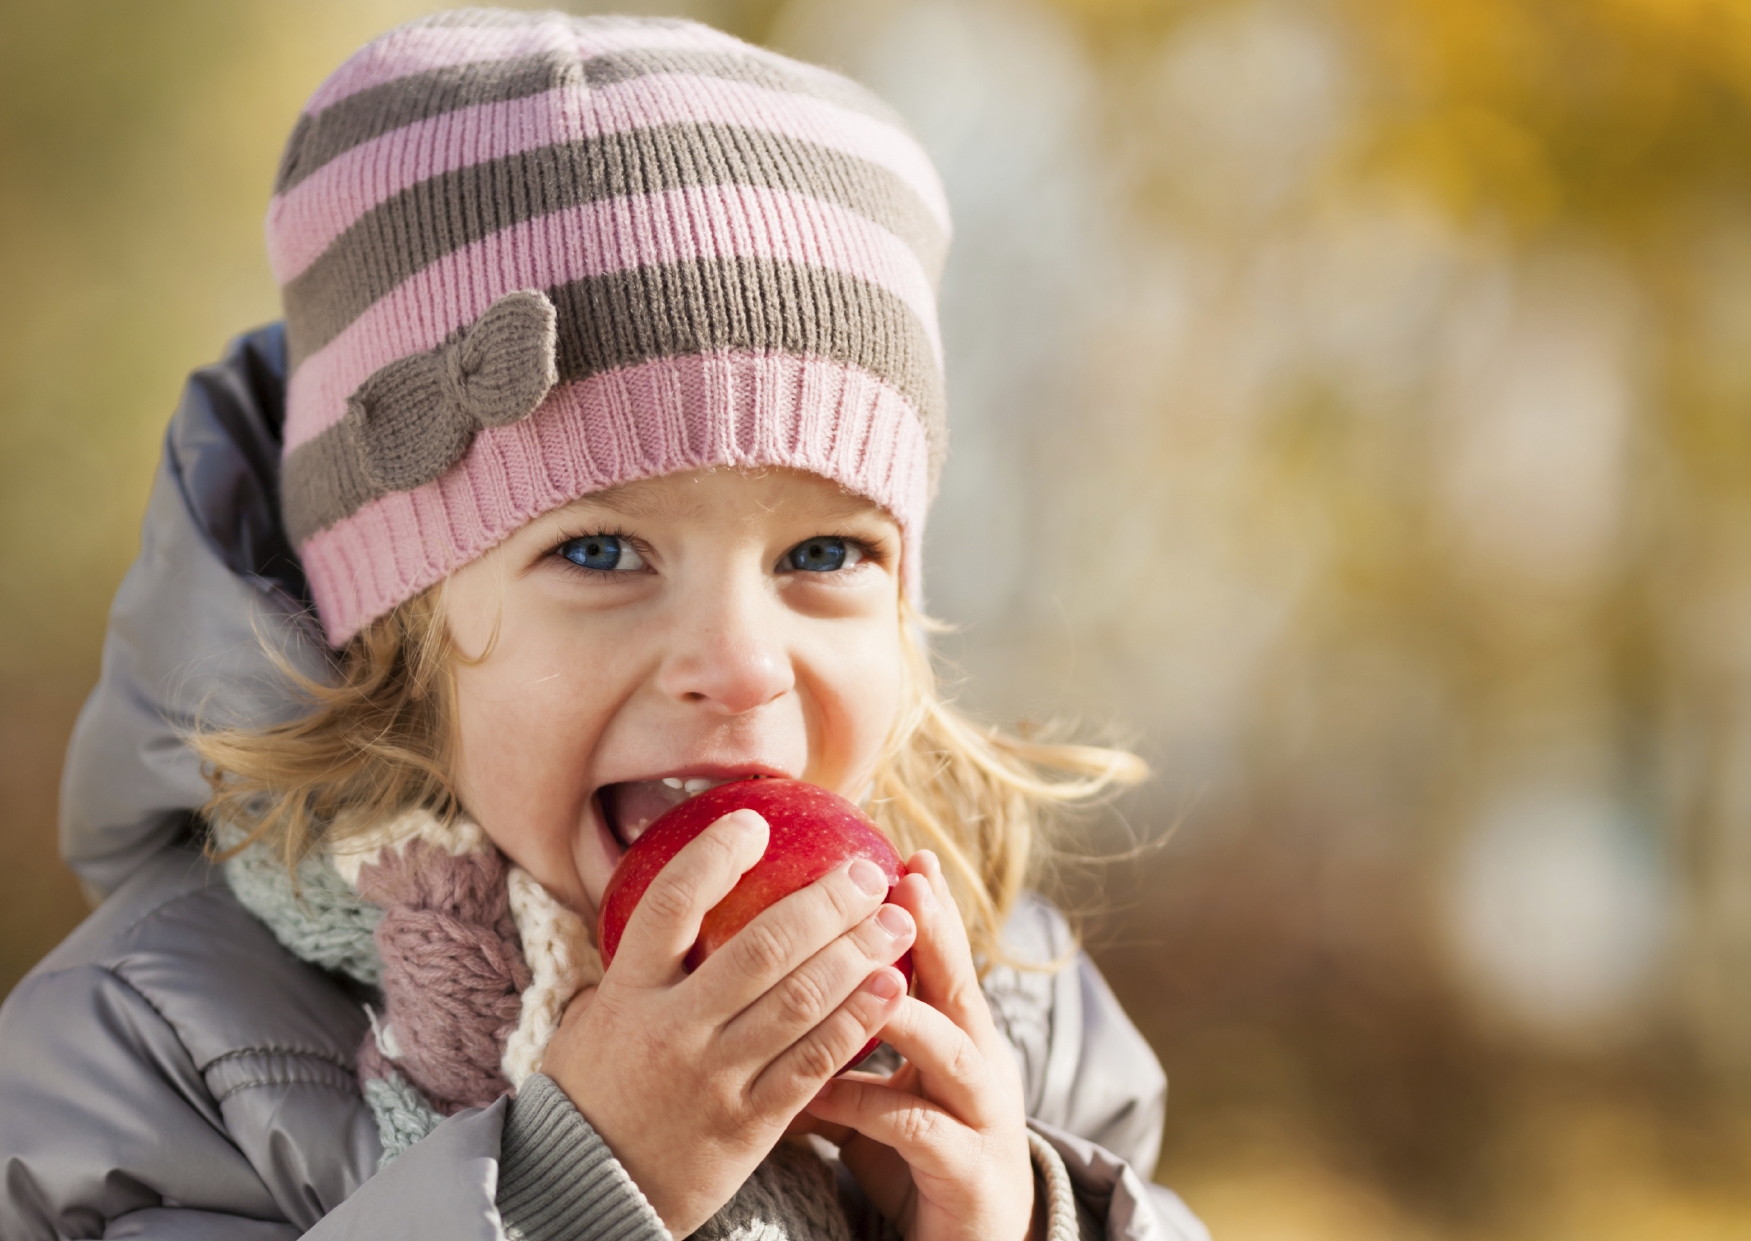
(728, 651)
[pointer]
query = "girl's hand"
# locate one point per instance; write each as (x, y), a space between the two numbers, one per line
(691, 1078)
(941, 1146)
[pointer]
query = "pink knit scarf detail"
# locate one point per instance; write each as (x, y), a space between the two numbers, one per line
(453, 973)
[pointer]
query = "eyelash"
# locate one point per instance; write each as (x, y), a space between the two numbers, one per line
(556, 552)
(867, 552)
(870, 553)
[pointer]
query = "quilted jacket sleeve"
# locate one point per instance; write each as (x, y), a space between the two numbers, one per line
(169, 1058)
(144, 1155)
(1095, 1090)
(170, 1072)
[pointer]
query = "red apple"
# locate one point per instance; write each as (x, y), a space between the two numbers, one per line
(812, 832)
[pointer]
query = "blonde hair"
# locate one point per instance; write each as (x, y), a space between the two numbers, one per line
(377, 741)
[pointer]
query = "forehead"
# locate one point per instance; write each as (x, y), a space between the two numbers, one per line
(729, 494)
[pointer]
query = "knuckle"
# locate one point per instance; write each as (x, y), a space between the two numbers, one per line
(964, 1061)
(961, 997)
(874, 943)
(843, 898)
(818, 1058)
(907, 1021)
(918, 1126)
(723, 1117)
(801, 998)
(718, 843)
(672, 898)
(765, 947)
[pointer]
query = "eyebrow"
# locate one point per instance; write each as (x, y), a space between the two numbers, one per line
(629, 500)
(620, 499)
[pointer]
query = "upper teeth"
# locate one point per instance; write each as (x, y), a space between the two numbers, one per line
(698, 784)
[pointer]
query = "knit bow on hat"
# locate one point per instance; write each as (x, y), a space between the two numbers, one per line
(415, 418)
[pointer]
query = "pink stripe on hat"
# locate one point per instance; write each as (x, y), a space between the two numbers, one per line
(420, 47)
(305, 219)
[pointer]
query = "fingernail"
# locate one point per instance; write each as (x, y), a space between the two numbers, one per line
(894, 920)
(825, 1090)
(884, 986)
(868, 876)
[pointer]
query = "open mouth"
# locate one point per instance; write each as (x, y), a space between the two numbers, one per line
(633, 805)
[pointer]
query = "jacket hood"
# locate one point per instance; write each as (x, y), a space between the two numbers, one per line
(215, 579)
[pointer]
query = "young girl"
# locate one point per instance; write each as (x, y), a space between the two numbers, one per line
(600, 435)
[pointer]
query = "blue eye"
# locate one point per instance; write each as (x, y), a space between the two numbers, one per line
(604, 553)
(823, 555)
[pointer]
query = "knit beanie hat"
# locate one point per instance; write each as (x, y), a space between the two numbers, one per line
(528, 256)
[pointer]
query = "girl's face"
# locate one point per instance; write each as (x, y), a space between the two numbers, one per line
(648, 641)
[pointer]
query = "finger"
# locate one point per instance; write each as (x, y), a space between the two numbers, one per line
(931, 868)
(788, 933)
(952, 1068)
(802, 999)
(942, 958)
(795, 1075)
(883, 1176)
(931, 1140)
(802, 1123)
(666, 920)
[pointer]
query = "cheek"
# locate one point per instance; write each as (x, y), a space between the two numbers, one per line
(509, 744)
(858, 698)
(524, 737)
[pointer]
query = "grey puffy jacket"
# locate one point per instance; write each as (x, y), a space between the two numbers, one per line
(171, 1071)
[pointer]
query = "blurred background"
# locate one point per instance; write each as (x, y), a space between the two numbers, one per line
(1352, 412)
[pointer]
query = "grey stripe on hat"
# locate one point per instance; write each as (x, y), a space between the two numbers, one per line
(746, 65)
(323, 480)
(444, 213)
(759, 305)
(378, 110)
(384, 108)
(624, 318)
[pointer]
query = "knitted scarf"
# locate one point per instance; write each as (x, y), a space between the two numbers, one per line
(476, 963)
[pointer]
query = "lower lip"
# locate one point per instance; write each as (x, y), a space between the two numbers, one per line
(608, 849)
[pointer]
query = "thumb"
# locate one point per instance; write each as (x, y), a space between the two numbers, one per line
(666, 921)
(577, 1006)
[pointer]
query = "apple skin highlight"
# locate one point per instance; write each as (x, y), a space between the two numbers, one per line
(812, 832)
